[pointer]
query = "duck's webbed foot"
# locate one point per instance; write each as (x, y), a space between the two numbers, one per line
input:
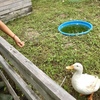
(81, 94)
(90, 97)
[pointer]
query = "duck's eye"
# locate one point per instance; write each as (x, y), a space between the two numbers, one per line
(76, 65)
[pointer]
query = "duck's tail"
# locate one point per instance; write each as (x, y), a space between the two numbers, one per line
(97, 81)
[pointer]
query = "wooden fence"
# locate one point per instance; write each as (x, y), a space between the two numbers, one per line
(24, 73)
(11, 9)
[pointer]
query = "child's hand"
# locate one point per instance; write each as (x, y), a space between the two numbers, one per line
(18, 41)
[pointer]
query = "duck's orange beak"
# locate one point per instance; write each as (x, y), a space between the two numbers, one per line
(70, 67)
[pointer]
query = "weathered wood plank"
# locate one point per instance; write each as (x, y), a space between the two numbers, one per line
(12, 9)
(2, 1)
(16, 14)
(18, 80)
(30, 79)
(9, 2)
(15, 6)
(11, 90)
(51, 88)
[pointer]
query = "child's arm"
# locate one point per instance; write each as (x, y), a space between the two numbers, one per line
(6, 30)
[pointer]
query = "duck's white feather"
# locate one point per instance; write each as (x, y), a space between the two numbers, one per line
(85, 83)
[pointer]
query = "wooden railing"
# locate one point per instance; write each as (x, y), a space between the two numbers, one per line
(23, 72)
(12, 9)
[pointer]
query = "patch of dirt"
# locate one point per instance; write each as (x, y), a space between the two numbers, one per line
(68, 45)
(30, 34)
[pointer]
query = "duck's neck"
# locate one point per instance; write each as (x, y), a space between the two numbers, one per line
(77, 74)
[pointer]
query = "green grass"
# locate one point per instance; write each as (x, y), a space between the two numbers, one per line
(52, 51)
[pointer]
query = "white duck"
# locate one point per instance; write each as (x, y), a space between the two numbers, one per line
(85, 84)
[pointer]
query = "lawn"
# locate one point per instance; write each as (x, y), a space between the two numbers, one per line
(52, 51)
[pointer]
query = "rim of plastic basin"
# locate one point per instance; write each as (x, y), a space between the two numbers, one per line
(75, 22)
(76, 0)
